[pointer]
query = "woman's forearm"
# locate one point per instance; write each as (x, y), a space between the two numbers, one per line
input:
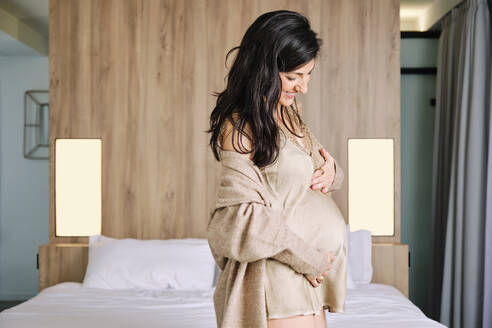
(248, 232)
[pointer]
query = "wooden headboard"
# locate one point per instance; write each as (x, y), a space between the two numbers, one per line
(68, 262)
(140, 75)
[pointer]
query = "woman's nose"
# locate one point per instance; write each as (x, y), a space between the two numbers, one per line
(301, 87)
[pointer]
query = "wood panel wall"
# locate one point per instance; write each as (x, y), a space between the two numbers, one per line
(140, 74)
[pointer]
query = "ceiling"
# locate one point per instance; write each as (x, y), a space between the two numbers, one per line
(12, 47)
(415, 3)
(411, 12)
(34, 13)
(424, 15)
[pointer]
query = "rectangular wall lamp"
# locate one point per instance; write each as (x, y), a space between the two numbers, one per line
(78, 184)
(371, 185)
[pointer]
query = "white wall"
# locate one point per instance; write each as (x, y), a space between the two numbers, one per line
(24, 183)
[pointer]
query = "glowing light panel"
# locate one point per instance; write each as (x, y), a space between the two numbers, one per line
(371, 185)
(78, 187)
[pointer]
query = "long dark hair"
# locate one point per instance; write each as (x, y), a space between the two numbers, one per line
(277, 41)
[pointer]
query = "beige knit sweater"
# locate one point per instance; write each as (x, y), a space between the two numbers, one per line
(245, 228)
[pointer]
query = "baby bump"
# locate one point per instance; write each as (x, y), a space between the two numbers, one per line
(318, 219)
(320, 222)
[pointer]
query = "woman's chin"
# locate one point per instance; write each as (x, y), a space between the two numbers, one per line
(284, 101)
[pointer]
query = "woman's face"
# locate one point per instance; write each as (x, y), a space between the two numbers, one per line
(294, 82)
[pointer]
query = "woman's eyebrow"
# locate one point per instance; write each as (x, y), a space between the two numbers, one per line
(302, 74)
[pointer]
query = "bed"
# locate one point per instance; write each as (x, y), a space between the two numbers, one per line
(70, 304)
(170, 283)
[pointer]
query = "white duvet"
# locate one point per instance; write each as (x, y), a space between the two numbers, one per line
(69, 304)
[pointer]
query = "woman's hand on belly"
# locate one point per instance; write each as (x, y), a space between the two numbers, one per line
(324, 176)
(316, 280)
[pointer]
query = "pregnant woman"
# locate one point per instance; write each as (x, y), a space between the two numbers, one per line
(274, 230)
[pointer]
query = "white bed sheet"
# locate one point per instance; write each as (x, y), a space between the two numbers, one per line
(69, 304)
(377, 305)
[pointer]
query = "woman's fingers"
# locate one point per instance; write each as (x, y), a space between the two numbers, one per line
(313, 280)
(317, 174)
(332, 258)
(318, 179)
(324, 153)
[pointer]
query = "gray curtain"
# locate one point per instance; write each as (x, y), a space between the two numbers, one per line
(462, 171)
(487, 294)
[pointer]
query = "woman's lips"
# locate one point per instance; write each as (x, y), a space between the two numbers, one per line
(290, 95)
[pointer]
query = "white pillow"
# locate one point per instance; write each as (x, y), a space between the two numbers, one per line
(360, 256)
(149, 264)
(216, 275)
(350, 281)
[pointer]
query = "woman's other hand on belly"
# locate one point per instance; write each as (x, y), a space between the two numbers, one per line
(316, 280)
